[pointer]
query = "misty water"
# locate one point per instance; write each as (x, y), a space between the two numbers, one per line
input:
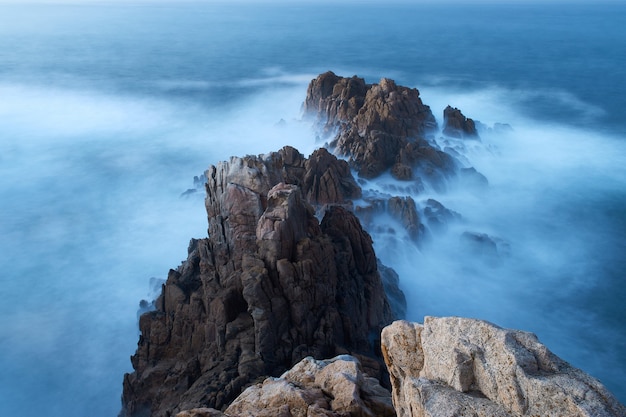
(109, 110)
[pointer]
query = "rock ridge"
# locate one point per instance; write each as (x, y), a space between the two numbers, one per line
(379, 128)
(269, 286)
(384, 130)
(288, 276)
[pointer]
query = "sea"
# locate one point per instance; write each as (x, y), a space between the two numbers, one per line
(108, 110)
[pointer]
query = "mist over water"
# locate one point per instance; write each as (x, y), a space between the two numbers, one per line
(552, 205)
(109, 111)
(91, 187)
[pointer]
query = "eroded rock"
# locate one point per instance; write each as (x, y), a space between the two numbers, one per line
(456, 125)
(465, 367)
(378, 127)
(335, 387)
(268, 287)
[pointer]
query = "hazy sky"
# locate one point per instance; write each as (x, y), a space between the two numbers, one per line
(307, 1)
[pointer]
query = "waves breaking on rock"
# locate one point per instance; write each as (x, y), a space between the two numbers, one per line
(287, 271)
(268, 287)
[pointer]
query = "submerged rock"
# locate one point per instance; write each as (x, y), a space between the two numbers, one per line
(469, 177)
(438, 217)
(483, 247)
(268, 287)
(453, 367)
(479, 244)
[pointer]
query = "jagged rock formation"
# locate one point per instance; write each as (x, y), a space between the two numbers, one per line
(378, 127)
(401, 209)
(464, 367)
(386, 128)
(331, 388)
(456, 125)
(268, 287)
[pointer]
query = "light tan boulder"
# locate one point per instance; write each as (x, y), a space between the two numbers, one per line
(335, 387)
(465, 367)
(200, 412)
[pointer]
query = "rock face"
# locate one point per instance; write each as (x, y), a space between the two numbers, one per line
(464, 367)
(268, 287)
(378, 127)
(385, 128)
(456, 125)
(332, 388)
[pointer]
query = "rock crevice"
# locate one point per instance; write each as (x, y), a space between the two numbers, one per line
(456, 366)
(379, 128)
(268, 287)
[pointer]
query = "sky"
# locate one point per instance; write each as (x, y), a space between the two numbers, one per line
(311, 1)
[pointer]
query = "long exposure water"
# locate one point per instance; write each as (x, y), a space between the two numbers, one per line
(108, 111)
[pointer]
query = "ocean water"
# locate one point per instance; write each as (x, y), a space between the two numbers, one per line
(108, 111)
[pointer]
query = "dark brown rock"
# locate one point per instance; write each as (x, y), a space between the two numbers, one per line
(456, 125)
(268, 287)
(402, 172)
(333, 100)
(373, 124)
(429, 163)
(391, 284)
(404, 210)
(328, 180)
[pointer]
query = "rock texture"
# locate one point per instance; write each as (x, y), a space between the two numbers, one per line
(386, 129)
(332, 388)
(456, 125)
(268, 287)
(378, 127)
(464, 367)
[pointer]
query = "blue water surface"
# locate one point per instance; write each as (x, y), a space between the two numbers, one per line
(108, 110)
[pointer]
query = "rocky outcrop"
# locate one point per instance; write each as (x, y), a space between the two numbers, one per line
(331, 388)
(378, 128)
(268, 287)
(456, 125)
(464, 367)
(386, 129)
(405, 211)
(438, 217)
